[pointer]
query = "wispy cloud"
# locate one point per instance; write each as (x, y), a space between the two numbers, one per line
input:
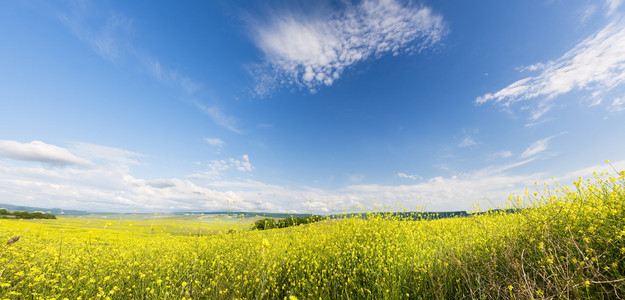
(215, 142)
(596, 66)
(467, 142)
(219, 118)
(536, 147)
(110, 154)
(413, 177)
(503, 154)
(107, 32)
(41, 152)
(587, 13)
(313, 50)
(216, 168)
(612, 6)
(618, 104)
(110, 34)
(168, 76)
(498, 169)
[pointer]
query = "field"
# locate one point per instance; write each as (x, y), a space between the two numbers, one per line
(557, 243)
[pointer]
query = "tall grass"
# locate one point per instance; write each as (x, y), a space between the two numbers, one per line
(559, 243)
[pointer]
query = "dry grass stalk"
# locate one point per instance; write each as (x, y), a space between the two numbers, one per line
(13, 240)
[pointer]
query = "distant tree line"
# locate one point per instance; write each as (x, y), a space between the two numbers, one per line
(271, 223)
(25, 215)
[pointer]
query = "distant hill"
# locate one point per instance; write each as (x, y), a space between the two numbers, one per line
(244, 214)
(422, 215)
(54, 211)
(406, 215)
(247, 214)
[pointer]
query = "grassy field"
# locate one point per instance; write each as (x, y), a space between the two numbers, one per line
(559, 243)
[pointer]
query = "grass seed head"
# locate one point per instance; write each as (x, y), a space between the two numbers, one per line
(13, 240)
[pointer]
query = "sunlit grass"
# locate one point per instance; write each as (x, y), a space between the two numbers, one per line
(559, 243)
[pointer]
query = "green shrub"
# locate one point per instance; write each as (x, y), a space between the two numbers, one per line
(265, 224)
(286, 222)
(27, 215)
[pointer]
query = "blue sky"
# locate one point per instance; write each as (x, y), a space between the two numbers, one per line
(305, 105)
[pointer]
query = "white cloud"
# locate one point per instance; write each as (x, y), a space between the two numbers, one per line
(497, 169)
(313, 50)
(536, 147)
(612, 6)
(586, 172)
(618, 105)
(503, 154)
(101, 187)
(107, 33)
(215, 142)
(467, 142)
(413, 177)
(104, 188)
(110, 34)
(111, 154)
(532, 68)
(596, 66)
(220, 118)
(458, 192)
(168, 76)
(243, 165)
(588, 12)
(111, 187)
(216, 168)
(443, 194)
(41, 152)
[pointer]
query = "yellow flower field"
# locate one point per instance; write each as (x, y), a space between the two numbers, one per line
(557, 243)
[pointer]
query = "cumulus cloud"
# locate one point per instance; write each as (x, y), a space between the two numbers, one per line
(106, 185)
(446, 193)
(596, 66)
(41, 152)
(313, 50)
(112, 187)
(161, 183)
(457, 192)
(105, 188)
(243, 165)
(491, 184)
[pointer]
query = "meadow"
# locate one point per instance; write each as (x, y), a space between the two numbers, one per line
(552, 242)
